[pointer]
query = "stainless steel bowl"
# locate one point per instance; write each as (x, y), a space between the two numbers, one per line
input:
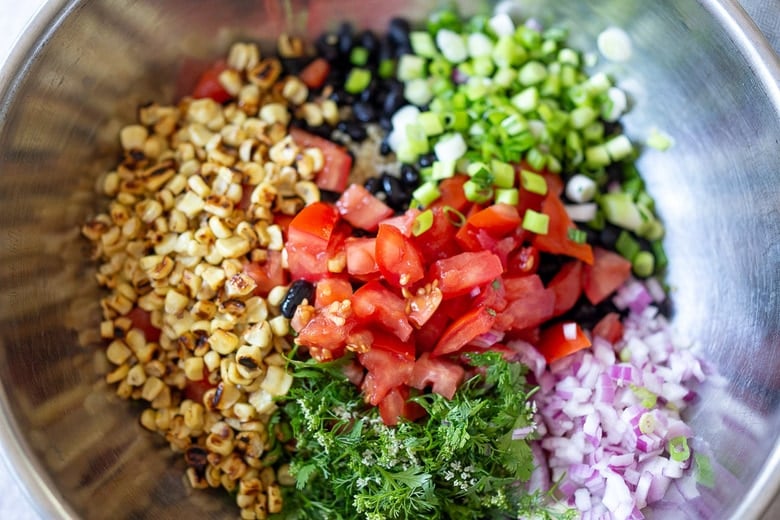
(700, 71)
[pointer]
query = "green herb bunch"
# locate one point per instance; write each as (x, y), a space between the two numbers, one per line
(461, 462)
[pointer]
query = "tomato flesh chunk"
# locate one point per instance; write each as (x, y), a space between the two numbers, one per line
(567, 286)
(560, 340)
(399, 260)
(465, 329)
(460, 274)
(375, 303)
(608, 272)
(443, 376)
(362, 209)
(338, 163)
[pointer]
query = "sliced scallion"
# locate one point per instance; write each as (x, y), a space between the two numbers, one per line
(627, 246)
(411, 67)
(422, 222)
(358, 56)
(533, 182)
(476, 191)
(357, 81)
(503, 174)
(532, 73)
(577, 236)
(455, 217)
(643, 264)
(509, 196)
(442, 170)
(678, 449)
(426, 193)
(536, 222)
(422, 44)
(432, 123)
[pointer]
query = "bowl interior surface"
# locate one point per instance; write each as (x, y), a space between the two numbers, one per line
(86, 66)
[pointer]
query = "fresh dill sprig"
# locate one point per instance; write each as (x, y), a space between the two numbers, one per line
(461, 462)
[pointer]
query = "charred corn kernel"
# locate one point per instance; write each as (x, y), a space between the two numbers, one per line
(277, 295)
(259, 335)
(195, 479)
(284, 152)
(136, 376)
(277, 381)
(149, 419)
(256, 310)
(190, 204)
(244, 412)
(226, 396)
(193, 415)
(239, 285)
(230, 79)
(133, 137)
(148, 210)
(152, 388)
(175, 301)
(274, 113)
(295, 90)
(124, 390)
(118, 352)
(261, 508)
(107, 329)
(219, 228)
(330, 112)
(274, 498)
(218, 205)
(308, 191)
(177, 221)
(243, 56)
(213, 276)
(232, 247)
(198, 186)
(146, 352)
(276, 359)
(211, 359)
(280, 325)
(118, 374)
(312, 113)
(119, 303)
(265, 73)
(219, 444)
(111, 184)
(163, 399)
(223, 342)
(251, 358)
(193, 368)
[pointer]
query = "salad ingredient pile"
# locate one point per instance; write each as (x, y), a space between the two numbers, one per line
(399, 276)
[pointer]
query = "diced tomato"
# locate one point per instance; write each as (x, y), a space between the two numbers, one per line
(465, 329)
(422, 304)
(327, 331)
(142, 320)
(438, 241)
(195, 390)
(429, 334)
(452, 195)
(530, 303)
(316, 220)
(361, 257)
(354, 371)
(443, 376)
(361, 209)
(375, 303)
(332, 289)
(399, 260)
(497, 219)
(315, 73)
(609, 327)
(561, 339)
(396, 406)
(208, 85)
(523, 261)
(246, 197)
(567, 286)
(557, 239)
(462, 273)
(390, 343)
(338, 163)
(268, 274)
(386, 370)
(283, 221)
(308, 237)
(492, 295)
(404, 222)
(608, 272)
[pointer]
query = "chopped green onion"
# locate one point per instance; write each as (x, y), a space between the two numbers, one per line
(651, 229)
(643, 264)
(444, 19)
(619, 209)
(417, 139)
(619, 147)
(386, 68)
(504, 77)
(569, 56)
(426, 193)
(633, 186)
(440, 67)
(536, 159)
(422, 222)
(659, 140)
(477, 191)
(457, 120)
(577, 236)
(509, 196)
(647, 423)
(532, 73)
(418, 91)
(357, 81)
(514, 124)
(452, 45)
(358, 56)
(443, 170)
(479, 45)
(594, 132)
(483, 67)
(455, 217)
(411, 67)
(597, 156)
(431, 123)
(581, 117)
(527, 100)
(529, 38)
(507, 53)
(648, 399)
(659, 253)
(478, 169)
(536, 222)
(533, 182)
(703, 470)
(422, 44)
(503, 174)
(678, 449)
(627, 246)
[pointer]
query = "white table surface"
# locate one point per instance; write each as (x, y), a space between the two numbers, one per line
(15, 14)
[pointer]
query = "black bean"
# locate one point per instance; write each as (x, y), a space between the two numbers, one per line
(369, 41)
(373, 185)
(592, 236)
(385, 123)
(357, 131)
(549, 265)
(346, 39)
(295, 65)
(393, 101)
(609, 235)
(342, 97)
(299, 290)
(410, 177)
(385, 50)
(384, 146)
(426, 160)
(397, 196)
(327, 46)
(363, 112)
(403, 48)
(398, 31)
